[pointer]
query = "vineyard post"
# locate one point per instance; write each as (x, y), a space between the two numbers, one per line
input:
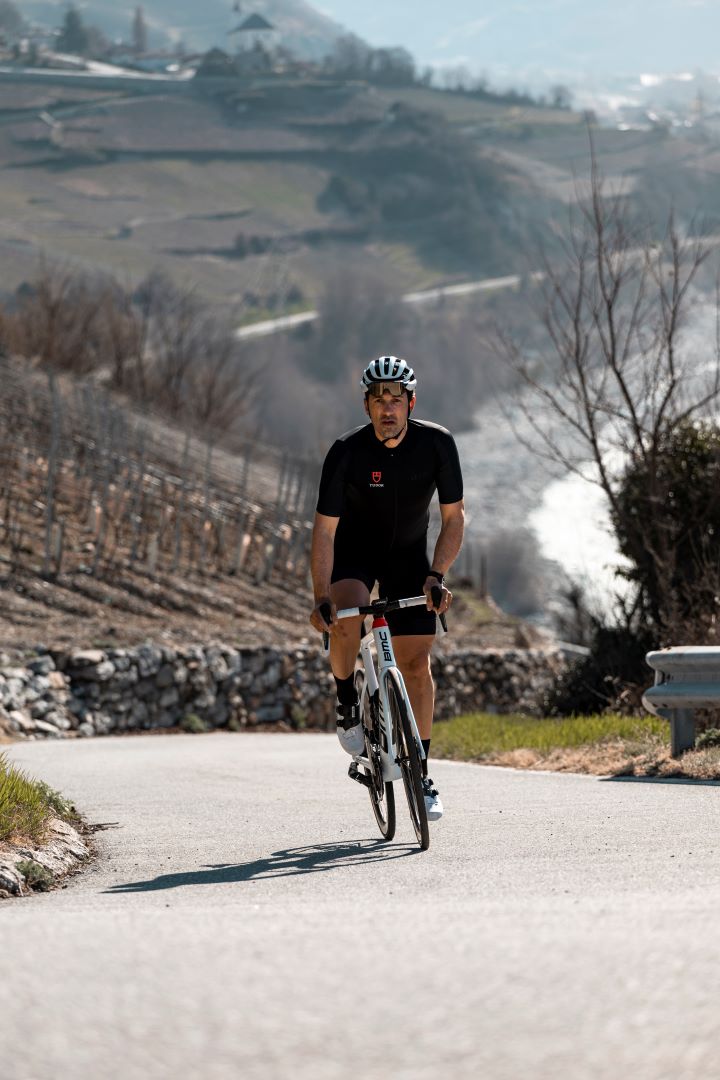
(51, 473)
(136, 509)
(204, 529)
(180, 512)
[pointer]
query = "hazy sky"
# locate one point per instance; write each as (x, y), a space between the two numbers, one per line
(618, 36)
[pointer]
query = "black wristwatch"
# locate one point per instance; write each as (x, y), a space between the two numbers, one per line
(438, 575)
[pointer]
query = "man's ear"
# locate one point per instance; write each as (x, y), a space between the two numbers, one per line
(411, 404)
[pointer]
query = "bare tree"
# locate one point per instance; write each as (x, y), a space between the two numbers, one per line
(614, 379)
(139, 31)
(58, 320)
(222, 385)
(171, 318)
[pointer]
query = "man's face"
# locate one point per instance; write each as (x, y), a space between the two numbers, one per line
(388, 414)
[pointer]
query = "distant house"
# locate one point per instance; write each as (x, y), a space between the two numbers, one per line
(217, 64)
(253, 32)
(30, 39)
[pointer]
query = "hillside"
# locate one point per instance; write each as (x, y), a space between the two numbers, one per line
(259, 194)
(222, 188)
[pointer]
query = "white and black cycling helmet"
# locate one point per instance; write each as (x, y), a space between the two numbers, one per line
(389, 369)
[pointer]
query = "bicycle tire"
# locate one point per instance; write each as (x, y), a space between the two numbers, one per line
(382, 795)
(408, 756)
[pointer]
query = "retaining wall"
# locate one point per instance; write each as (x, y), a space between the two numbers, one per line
(97, 692)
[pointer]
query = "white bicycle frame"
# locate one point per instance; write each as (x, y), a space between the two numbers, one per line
(381, 638)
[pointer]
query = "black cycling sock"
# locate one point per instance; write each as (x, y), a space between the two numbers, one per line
(426, 748)
(346, 692)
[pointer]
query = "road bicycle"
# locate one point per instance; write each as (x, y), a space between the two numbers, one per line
(393, 748)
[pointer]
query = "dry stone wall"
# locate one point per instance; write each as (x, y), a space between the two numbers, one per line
(98, 692)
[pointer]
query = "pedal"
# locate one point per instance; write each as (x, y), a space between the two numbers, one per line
(361, 777)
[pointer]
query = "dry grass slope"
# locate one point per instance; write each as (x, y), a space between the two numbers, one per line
(602, 745)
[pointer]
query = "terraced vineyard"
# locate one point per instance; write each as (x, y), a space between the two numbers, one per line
(104, 512)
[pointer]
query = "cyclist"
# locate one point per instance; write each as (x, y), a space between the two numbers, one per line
(371, 525)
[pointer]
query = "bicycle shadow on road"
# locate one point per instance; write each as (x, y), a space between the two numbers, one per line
(290, 862)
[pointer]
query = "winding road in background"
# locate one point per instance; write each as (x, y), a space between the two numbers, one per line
(427, 296)
(242, 920)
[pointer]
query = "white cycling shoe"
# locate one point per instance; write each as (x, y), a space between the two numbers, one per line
(350, 730)
(433, 804)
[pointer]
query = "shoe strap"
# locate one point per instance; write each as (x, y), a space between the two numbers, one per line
(348, 715)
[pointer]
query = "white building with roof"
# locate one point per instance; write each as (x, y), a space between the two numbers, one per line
(254, 31)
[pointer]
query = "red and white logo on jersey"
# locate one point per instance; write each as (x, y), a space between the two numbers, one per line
(377, 477)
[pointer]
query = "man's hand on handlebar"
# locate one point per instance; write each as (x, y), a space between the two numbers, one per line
(324, 615)
(432, 585)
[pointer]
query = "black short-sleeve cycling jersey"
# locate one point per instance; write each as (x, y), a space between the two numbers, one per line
(382, 498)
(384, 495)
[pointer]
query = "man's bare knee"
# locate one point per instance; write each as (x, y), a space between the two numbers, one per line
(414, 662)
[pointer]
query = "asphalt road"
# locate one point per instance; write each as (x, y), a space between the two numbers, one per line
(243, 921)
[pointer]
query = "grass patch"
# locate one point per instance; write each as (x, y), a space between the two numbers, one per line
(478, 611)
(27, 805)
(57, 802)
(480, 735)
(193, 724)
(258, 315)
(37, 877)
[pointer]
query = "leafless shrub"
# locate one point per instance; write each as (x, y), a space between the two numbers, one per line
(159, 345)
(222, 385)
(125, 334)
(175, 340)
(58, 321)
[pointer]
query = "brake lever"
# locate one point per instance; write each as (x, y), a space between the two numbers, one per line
(326, 612)
(436, 595)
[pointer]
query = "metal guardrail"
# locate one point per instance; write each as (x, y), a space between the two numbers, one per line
(687, 677)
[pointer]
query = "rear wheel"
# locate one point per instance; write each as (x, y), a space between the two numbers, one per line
(382, 796)
(408, 757)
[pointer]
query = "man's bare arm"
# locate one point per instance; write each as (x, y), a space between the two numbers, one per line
(450, 539)
(321, 564)
(447, 550)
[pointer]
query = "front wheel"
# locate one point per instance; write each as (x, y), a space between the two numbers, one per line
(408, 757)
(382, 796)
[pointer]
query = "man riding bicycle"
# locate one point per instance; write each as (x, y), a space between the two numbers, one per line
(371, 525)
